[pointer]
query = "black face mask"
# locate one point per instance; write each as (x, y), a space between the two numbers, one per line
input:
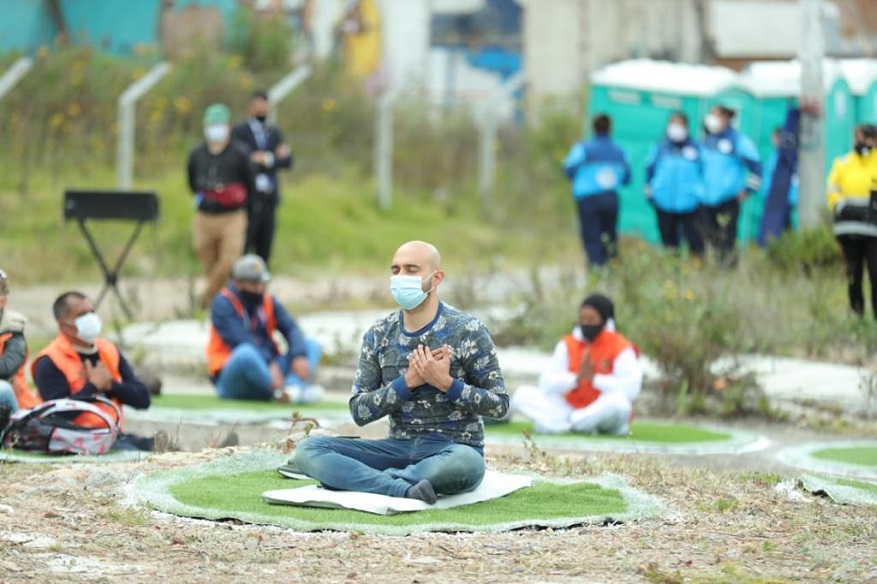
(252, 298)
(590, 331)
(862, 149)
(261, 118)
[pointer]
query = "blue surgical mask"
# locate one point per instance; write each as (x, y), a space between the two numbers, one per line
(408, 290)
(88, 327)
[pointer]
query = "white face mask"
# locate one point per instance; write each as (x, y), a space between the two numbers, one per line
(88, 327)
(677, 132)
(713, 124)
(408, 290)
(216, 133)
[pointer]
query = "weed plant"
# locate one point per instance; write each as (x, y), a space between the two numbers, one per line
(693, 319)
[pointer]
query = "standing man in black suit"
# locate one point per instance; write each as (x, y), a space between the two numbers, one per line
(269, 153)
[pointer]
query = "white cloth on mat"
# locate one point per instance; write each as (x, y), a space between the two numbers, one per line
(494, 486)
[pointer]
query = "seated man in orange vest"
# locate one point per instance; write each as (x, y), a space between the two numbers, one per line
(15, 392)
(243, 358)
(78, 364)
(591, 381)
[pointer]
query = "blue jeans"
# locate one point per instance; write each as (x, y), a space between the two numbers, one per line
(598, 224)
(7, 397)
(246, 374)
(390, 466)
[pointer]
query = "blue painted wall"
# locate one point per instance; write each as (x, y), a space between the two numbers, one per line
(115, 26)
(25, 25)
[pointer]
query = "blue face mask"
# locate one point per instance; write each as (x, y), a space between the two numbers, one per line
(408, 290)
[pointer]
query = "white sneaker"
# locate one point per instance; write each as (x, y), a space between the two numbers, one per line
(305, 394)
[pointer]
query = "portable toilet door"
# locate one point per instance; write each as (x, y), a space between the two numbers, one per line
(776, 86)
(640, 95)
(840, 115)
(861, 75)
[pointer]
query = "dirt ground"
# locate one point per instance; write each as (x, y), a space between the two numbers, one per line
(724, 520)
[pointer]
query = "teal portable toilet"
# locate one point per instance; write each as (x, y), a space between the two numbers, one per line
(640, 95)
(776, 86)
(861, 75)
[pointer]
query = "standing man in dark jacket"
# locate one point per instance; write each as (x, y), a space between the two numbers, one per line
(597, 169)
(222, 179)
(269, 153)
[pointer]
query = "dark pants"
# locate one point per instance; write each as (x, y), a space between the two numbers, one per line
(260, 226)
(719, 225)
(598, 223)
(676, 226)
(860, 250)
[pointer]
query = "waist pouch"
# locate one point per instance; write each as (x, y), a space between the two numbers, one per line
(228, 196)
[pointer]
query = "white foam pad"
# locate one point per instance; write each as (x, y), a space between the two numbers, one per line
(494, 485)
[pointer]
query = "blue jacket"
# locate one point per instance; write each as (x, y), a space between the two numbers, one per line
(234, 330)
(731, 164)
(769, 168)
(675, 173)
(596, 167)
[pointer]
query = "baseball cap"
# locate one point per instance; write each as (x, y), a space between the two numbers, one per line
(250, 268)
(217, 114)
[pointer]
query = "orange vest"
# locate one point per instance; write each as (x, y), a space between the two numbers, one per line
(69, 363)
(25, 396)
(218, 350)
(601, 353)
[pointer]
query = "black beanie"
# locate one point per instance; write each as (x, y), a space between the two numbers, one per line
(601, 304)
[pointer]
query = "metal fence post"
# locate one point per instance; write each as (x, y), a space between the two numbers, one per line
(14, 74)
(384, 148)
(811, 163)
(284, 87)
(488, 127)
(125, 145)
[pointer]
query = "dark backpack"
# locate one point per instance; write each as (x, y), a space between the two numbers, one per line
(49, 428)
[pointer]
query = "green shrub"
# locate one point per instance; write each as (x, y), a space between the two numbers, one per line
(264, 44)
(805, 251)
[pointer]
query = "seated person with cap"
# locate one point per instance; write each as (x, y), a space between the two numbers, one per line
(243, 358)
(591, 381)
(15, 392)
(79, 364)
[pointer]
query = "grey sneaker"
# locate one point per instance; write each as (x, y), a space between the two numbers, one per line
(291, 471)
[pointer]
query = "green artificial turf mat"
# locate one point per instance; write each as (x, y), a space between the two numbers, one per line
(231, 488)
(658, 432)
(645, 436)
(862, 456)
(853, 459)
(191, 401)
(840, 490)
(12, 455)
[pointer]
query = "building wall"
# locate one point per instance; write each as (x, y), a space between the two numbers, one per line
(564, 40)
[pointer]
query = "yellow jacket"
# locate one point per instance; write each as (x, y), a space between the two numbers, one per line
(852, 177)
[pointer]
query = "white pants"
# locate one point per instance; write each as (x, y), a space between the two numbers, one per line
(551, 414)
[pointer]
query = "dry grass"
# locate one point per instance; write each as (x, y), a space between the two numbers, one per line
(67, 523)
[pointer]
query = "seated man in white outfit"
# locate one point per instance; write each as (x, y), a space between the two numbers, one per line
(591, 381)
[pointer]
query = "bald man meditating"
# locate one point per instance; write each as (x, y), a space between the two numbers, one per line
(433, 370)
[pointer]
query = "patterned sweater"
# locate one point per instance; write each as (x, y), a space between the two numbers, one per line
(425, 412)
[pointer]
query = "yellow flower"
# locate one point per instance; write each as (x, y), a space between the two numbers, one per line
(73, 110)
(689, 294)
(234, 62)
(57, 119)
(182, 104)
(43, 52)
(138, 73)
(155, 116)
(329, 104)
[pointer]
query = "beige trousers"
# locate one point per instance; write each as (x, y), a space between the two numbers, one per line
(218, 240)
